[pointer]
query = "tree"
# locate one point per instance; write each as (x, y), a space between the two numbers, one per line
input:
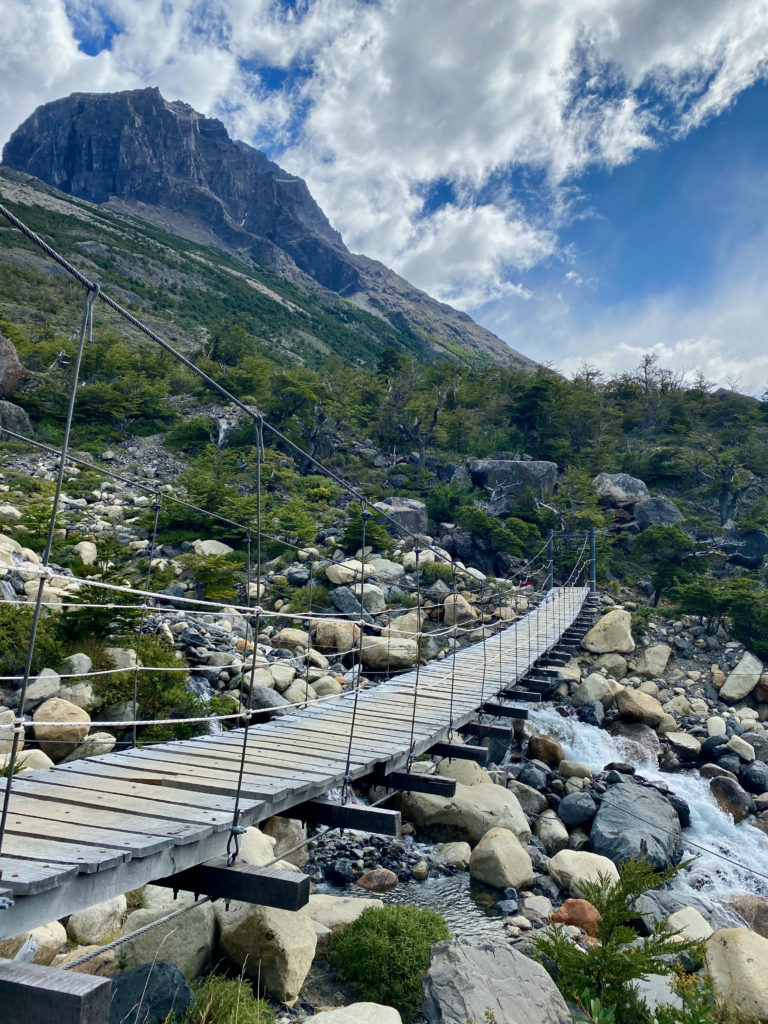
(670, 554)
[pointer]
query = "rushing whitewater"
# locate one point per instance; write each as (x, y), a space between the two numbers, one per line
(730, 858)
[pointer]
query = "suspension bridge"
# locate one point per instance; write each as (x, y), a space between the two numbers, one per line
(172, 813)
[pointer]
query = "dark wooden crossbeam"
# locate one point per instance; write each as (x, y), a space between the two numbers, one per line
(268, 887)
(460, 751)
(30, 993)
(487, 731)
(416, 782)
(504, 710)
(515, 694)
(337, 815)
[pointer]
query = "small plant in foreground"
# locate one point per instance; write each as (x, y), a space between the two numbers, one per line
(219, 1000)
(385, 952)
(608, 971)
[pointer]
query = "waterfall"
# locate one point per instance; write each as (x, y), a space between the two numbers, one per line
(712, 838)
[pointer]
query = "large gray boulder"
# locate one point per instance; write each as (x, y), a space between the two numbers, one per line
(507, 480)
(633, 821)
(408, 513)
(657, 512)
(620, 488)
(742, 681)
(747, 548)
(471, 975)
(13, 417)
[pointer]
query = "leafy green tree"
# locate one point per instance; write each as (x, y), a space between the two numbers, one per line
(669, 553)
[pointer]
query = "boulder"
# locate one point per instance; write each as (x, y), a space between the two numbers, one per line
(48, 940)
(335, 635)
(742, 680)
(277, 946)
(471, 975)
(408, 513)
(620, 488)
(341, 574)
(103, 964)
(732, 798)
(457, 610)
(87, 551)
(596, 688)
(684, 744)
(736, 959)
(552, 832)
(513, 478)
(747, 548)
(657, 512)
(203, 548)
(468, 773)
(60, 739)
(614, 664)
(543, 748)
(335, 912)
(634, 821)
(739, 746)
(7, 718)
(576, 809)
(359, 1013)
(635, 706)
(570, 867)
(377, 880)
(93, 744)
(453, 855)
(467, 815)
(690, 924)
(287, 833)
(289, 639)
(530, 799)
(188, 942)
(13, 417)
(613, 632)
(388, 653)
(753, 909)
(370, 597)
(386, 571)
(500, 861)
(158, 988)
(11, 370)
(580, 913)
(99, 924)
(653, 661)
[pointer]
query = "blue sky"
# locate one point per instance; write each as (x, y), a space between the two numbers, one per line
(586, 177)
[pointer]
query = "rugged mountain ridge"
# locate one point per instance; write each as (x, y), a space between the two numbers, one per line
(168, 164)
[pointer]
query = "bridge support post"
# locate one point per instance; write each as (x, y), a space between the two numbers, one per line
(550, 559)
(29, 992)
(592, 562)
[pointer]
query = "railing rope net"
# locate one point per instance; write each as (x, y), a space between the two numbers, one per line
(530, 578)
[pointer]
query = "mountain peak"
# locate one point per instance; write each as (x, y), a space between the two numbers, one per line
(160, 159)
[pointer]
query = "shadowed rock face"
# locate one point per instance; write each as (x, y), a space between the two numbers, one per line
(168, 164)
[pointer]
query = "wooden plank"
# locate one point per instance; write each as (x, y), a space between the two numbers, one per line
(136, 844)
(338, 815)
(266, 886)
(85, 857)
(30, 993)
(188, 761)
(503, 710)
(28, 877)
(91, 790)
(460, 752)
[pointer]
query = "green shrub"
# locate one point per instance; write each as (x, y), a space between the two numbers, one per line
(219, 1000)
(608, 971)
(217, 576)
(15, 627)
(437, 571)
(376, 535)
(385, 952)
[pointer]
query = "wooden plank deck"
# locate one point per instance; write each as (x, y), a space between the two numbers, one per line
(89, 830)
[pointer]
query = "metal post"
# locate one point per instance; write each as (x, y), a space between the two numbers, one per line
(550, 559)
(592, 562)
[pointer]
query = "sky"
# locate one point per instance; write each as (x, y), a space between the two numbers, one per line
(587, 178)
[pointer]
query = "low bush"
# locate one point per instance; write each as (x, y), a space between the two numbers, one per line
(219, 1000)
(385, 952)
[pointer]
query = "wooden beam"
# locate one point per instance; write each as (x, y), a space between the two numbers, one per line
(268, 887)
(487, 731)
(515, 694)
(416, 782)
(460, 752)
(504, 710)
(338, 815)
(31, 993)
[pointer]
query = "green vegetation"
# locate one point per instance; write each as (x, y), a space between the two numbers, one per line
(219, 1000)
(385, 952)
(607, 972)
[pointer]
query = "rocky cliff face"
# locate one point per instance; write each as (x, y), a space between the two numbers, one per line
(171, 165)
